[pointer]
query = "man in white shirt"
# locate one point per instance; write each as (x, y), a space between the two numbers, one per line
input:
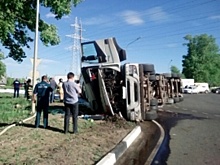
(71, 91)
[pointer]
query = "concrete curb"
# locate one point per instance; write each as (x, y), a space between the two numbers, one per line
(114, 155)
(12, 125)
(157, 147)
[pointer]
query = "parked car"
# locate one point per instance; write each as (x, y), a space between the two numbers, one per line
(195, 89)
(190, 90)
(216, 90)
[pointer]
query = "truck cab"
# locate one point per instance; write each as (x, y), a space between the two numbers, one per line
(110, 86)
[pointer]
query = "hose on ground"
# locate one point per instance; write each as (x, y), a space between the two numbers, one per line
(12, 125)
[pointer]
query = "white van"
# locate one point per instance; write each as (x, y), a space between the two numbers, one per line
(202, 87)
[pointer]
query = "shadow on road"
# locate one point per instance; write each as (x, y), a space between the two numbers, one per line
(169, 120)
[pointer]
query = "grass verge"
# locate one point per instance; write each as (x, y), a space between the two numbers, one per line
(13, 110)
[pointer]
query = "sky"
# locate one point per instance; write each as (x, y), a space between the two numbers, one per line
(150, 31)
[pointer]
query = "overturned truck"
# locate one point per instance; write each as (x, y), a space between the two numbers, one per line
(131, 90)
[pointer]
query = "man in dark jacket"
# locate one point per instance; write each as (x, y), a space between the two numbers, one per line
(53, 85)
(16, 84)
(41, 94)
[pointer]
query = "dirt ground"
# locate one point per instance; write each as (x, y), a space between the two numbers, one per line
(25, 144)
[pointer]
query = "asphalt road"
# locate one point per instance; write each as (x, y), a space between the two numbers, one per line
(192, 131)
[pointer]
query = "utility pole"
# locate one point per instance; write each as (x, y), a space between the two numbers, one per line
(169, 66)
(35, 52)
(76, 48)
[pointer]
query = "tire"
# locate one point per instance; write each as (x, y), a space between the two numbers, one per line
(152, 77)
(153, 102)
(153, 107)
(148, 68)
(167, 75)
(170, 101)
(176, 99)
(181, 98)
(175, 75)
(151, 115)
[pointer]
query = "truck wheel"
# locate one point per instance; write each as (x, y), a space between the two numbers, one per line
(176, 99)
(153, 102)
(153, 107)
(181, 98)
(167, 75)
(175, 75)
(152, 77)
(170, 101)
(148, 67)
(151, 115)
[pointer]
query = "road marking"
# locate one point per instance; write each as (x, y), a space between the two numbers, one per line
(185, 109)
(204, 113)
(169, 111)
(217, 115)
(194, 111)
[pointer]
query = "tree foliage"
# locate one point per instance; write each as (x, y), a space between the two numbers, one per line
(2, 65)
(18, 18)
(202, 61)
(174, 69)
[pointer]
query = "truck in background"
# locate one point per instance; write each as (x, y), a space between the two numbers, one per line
(187, 82)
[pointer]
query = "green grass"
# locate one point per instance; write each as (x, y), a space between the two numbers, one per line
(8, 111)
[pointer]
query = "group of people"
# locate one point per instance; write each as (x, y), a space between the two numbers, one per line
(55, 87)
(69, 89)
(27, 88)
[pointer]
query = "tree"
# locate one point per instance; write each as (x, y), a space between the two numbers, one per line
(202, 61)
(18, 18)
(2, 65)
(174, 69)
(10, 81)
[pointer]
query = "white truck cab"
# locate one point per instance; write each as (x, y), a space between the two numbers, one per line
(112, 87)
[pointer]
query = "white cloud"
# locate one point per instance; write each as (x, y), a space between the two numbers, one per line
(157, 14)
(65, 16)
(132, 17)
(48, 61)
(98, 20)
(214, 17)
(51, 15)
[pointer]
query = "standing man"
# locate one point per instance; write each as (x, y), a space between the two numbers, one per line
(16, 84)
(71, 91)
(53, 85)
(41, 93)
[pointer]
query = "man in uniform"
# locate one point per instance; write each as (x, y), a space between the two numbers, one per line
(71, 91)
(16, 84)
(41, 93)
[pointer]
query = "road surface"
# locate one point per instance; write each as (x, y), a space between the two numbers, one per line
(192, 131)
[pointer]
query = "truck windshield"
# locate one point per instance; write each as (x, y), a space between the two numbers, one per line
(89, 53)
